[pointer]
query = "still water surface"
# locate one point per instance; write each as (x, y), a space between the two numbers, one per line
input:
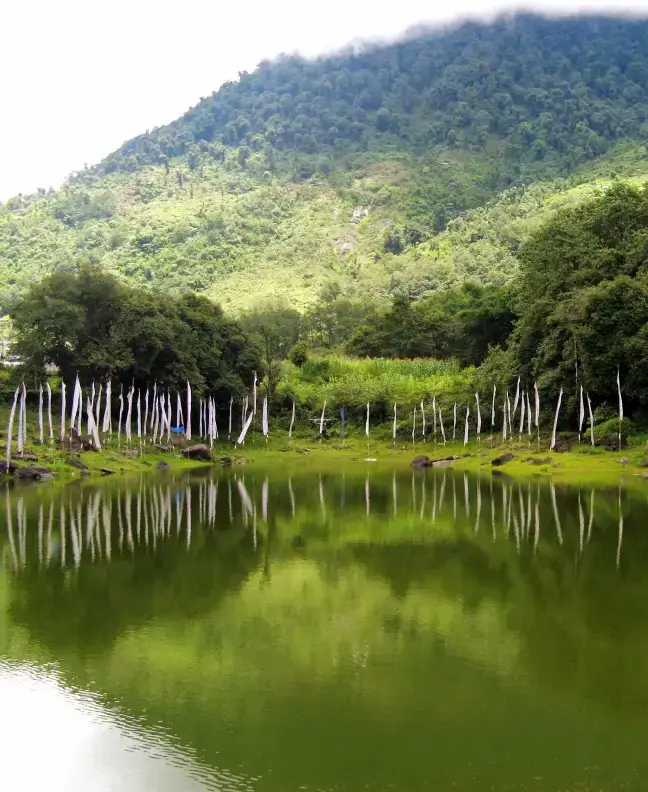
(356, 630)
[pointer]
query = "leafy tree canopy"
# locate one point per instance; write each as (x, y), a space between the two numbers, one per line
(460, 324)
(583, 297)
(88, 323)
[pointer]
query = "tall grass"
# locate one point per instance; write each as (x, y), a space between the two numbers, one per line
(352, 383)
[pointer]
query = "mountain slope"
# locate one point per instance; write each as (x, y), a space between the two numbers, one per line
(559, 90)
(411, 167)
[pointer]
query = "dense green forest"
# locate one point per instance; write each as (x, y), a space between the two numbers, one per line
(558, 90)
(400, 170)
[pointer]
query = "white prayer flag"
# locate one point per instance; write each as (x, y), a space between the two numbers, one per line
(76, 401)
(107, 418)
(246, 426)
(49, 411)
(121, 413)
(515, 402)
(129, 413)
(591, 417)
(40, 414)
(292, 420)
(62, 410)
(21, 422)
(11, 423)
(555, 424)
(264, 422)
(188, 417)
(620, 406)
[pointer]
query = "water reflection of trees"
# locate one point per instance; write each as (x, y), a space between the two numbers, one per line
(90, 564)
(562, 566)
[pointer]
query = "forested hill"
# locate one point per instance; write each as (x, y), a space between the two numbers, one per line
(401, 169)
(557, 90)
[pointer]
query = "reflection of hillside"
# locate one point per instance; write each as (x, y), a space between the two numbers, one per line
(461, 568)
(109, 600)
(430, 618)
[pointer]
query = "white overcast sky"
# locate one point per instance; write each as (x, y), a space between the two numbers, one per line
(79, 77)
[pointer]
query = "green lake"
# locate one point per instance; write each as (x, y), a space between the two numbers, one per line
(354, 629)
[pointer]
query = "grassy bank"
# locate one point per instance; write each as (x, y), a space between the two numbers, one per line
(306, 450)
